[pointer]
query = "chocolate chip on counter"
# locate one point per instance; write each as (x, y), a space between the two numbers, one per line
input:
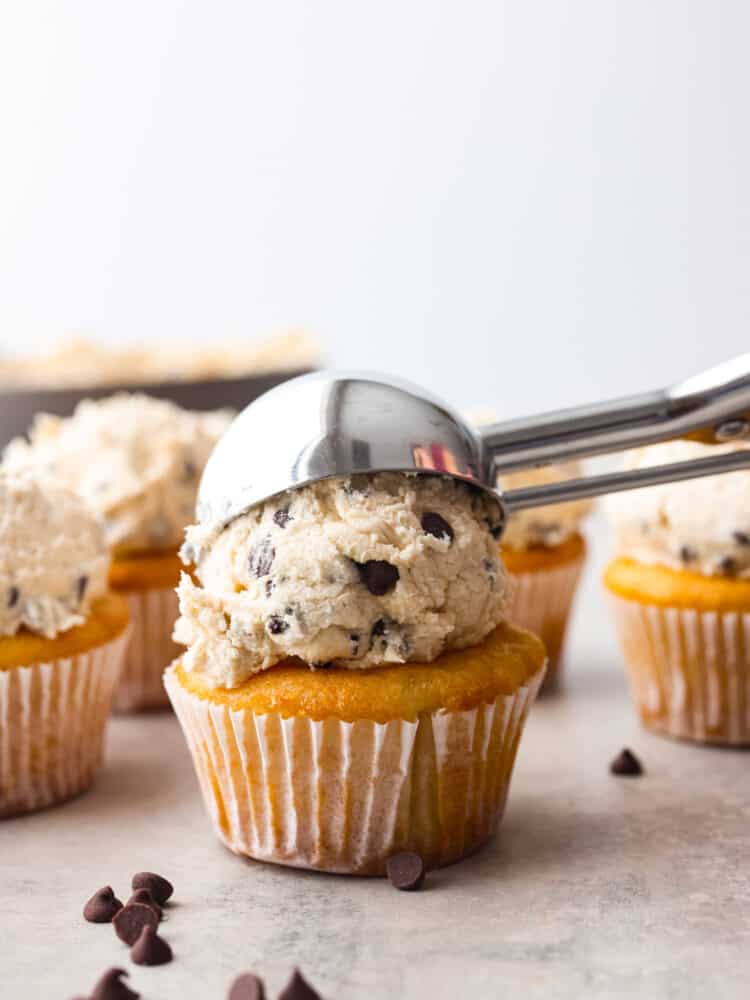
(436, 525)
(144, 896)
(110, 987)
(131, 919)
(688, 554)
(741, 537)
(261, 557)
(102, 906)
(247, 987)
(13, 594)
(626, 765)
(378, 576)
(277, 625)
(157, 885)
(406, 871)
(298, 989)
(282, 517)
(83, 582)
(150, 949)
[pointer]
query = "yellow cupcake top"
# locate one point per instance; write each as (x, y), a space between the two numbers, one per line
(136, 460)
(702, 525)
(53, 557)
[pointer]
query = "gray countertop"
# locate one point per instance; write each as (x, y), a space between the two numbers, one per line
(594, 887)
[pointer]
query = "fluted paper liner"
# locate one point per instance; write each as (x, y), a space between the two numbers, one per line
(153, 614)
(52, 721)
(541, 602)
(689, 670)
(343, 796)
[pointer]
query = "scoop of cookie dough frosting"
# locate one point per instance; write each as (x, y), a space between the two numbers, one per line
(347, 572)
(54, 557)
(702, 525)
(136, 460)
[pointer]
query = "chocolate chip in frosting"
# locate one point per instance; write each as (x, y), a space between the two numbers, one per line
(741, 537)
(282, 517)
(83, 582)
(277, 625)
(354, 638)
(261, 557)
(434, 524)
(378, 576)
(688, 554)
(270, 587)
(189, 470)
(728, 566)
(13, 594)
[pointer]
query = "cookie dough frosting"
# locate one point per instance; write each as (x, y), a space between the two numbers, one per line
(54, 558)
(348, 572)
(136, 460)
(702, 525)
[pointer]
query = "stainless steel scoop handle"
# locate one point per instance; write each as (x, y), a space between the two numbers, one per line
(712, 407)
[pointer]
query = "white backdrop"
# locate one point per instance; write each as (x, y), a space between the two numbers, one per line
(521, 203)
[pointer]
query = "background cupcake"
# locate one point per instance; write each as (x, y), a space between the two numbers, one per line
(62, 638)
(680, 591)
(349, 687)
(137, 462)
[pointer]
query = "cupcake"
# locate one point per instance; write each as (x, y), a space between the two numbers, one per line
(679, 586)
(62, 639)
(136, 461)
(350, 686)
(544, 552)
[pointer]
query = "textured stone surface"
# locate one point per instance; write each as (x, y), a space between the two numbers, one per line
(595, 887)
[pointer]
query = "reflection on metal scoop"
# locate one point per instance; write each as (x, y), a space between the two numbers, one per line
(334, 423)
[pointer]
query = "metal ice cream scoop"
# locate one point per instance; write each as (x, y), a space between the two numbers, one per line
(334, 423)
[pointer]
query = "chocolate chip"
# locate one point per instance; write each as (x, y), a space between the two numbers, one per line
(110, 987)
(102, 906)
(270, 587)
(83, 582)
(131, 919)
(741, 537)
(687, 554)
(282, 517)
(277, 625)
(406, 871)
(247, 987)
(496, 530)
(144, 896)
(626, 765)
(298, 989)
(378, 576)
(436, 525)
(728, 566)
(354, 638)
(13, 594)
(261, 557)
(150, 949)
(189, 471)
(157, 885)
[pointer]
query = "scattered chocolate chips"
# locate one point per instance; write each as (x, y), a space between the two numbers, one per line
(261, 557)
(144, 896)
(277, 625)
(298, 989)
(247, 987)
(434, 524)
(282, 517)
(110, 987)
(626, 765)
(406, 871)
(741, 537)
(102, 906)
(378, 576)
(157, 885)
(687, 554)
(83, 582)
(13, 594)
(150, 949)
(131, 919)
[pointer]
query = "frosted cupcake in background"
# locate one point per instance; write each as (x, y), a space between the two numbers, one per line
(680, 591)
(62, 639)
(544, 553)
(350, 687)
(137, 463)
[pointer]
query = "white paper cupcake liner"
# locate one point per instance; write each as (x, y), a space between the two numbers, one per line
(541, 602)
(342, 797)
(153, 614)
(689, 670)
(52, 721)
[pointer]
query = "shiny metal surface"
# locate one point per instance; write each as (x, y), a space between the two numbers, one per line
(342, 423)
